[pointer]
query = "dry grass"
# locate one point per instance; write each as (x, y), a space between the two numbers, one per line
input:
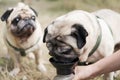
(48, 10)
(28, 72)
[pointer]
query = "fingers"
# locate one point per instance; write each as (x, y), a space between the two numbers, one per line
(81, 73)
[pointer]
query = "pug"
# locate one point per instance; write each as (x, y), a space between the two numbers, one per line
(89, 36)
(22, 35)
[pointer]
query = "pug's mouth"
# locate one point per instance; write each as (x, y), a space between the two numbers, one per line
(65, 56)
(24, 32)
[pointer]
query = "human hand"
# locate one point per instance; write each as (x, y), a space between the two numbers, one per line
(83, 72)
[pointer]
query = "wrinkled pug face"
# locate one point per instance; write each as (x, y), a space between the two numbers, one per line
(64, 37)
(20, 20)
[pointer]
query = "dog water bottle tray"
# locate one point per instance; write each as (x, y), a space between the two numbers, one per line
(64, 68)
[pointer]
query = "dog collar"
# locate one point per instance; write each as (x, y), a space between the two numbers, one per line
(95, 46)
(97, 43)
(98, 39)
(21, 50)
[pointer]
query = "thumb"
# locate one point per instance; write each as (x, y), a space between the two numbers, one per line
(76, 77)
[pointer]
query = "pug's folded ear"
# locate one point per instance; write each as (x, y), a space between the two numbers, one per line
(80, 34)
(6, 14)
(44, 36)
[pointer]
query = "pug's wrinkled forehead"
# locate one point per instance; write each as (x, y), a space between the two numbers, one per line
(22, 10)
(61, 26)
(57, 28)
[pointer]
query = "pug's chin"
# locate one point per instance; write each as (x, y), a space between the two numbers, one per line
(23, 33)
(22, 36)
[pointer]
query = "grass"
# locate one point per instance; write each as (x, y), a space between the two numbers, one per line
(88, 5)
(29, 72)
(48, 10)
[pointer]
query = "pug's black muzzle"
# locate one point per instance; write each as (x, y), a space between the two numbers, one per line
(61, 52)
(24, 28)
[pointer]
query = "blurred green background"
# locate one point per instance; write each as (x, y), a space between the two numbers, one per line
(50, 9)
(64, 5)
(55, 8)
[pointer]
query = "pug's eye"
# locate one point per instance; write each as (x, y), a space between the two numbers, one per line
(33, 18)
(16, 20)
